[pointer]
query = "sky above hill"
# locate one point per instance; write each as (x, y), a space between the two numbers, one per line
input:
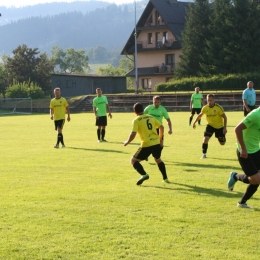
(21, 3)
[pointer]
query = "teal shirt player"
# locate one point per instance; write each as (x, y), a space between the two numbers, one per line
(101, 105)
(251, 134)
(196, 100)
(249, 96)
(159, 113)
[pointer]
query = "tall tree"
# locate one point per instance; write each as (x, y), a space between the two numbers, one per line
(69, 61)
(3, 74)
(28, 65)
(193, 39)
(253, 29)
(217, 55)
(226, 49)
(3, 79)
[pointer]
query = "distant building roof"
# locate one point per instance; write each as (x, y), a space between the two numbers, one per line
(173, 14)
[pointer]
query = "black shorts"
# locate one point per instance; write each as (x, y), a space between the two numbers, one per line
(144, 152)
(195, 110)
(210, 130)
(59, 123)
(251, 164)
(251, 108)
(101, 121)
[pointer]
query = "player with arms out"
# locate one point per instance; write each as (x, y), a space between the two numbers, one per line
(217, 123)
(58, 107)
(151, 143)
(100, 109)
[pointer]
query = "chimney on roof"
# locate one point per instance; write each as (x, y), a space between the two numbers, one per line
(172, 1)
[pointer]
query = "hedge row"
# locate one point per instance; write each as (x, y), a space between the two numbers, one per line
(229, 82)
(23, 90)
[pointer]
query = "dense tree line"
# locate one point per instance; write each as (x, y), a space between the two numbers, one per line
(41, 10)
(109, 27)
(27, 72)
(220, 37)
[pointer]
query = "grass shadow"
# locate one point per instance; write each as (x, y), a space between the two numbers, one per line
(122, 143)
(200, 165)
(223, 159)
(198, 190)
(96, 150)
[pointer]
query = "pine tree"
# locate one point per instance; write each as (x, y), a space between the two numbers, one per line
(238, 46)
(253, 43)
(193, 39)
(217, 58)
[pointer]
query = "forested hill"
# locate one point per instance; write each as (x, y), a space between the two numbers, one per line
(109, 26)
(13, 14)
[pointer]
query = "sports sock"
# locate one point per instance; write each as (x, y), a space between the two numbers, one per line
(59, 138)
(191, 119)
(98, 134)
(103, 132)
(199, 122)
(139, 168)
(251, 189)
(241, 177)
(162, 169)
(204, 148)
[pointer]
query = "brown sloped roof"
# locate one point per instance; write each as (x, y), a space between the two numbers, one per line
(173, 15)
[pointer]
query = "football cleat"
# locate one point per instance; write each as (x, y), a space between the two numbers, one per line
(142, 179)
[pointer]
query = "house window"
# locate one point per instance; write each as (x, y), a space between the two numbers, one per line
(150, 38)
(146, 83)
(157, 37)
(165, 37)
(170, 60)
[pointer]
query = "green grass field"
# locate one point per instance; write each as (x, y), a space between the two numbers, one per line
(82, 202)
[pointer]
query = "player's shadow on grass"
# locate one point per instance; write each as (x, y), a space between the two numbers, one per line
(96, 150)
(185, 188)
(122, 143)
(224, 159)
(206, 166)
(209, 191)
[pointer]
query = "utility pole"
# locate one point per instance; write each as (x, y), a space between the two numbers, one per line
(136, 70)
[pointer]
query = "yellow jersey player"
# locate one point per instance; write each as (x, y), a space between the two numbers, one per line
(58, 107)
(217, 123)
(151, 142)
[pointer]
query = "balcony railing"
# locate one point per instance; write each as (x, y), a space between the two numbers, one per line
(159, 44)
(166, 70)
(159, 23)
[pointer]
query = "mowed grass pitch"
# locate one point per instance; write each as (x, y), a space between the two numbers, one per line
(82, 202)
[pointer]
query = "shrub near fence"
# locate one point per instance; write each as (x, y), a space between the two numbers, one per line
(221, 82)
